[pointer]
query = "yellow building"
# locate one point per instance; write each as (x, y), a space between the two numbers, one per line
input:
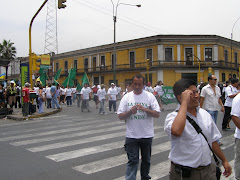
(172, 57)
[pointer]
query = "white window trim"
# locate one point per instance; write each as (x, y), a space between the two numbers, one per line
(205, 53)
(172, 53)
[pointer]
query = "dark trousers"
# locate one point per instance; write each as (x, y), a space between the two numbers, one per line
(69, 100)
(49, 102)
(18, 100)
(226, 117)
(132, 149)
(112, 103)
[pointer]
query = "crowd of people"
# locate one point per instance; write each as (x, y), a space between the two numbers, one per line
(191, 127)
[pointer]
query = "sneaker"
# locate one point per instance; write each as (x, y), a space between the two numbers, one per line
(100, 113)
(104, 113)
(115, 112)
(89, 111)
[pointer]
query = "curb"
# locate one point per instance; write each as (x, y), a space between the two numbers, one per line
(33, 116)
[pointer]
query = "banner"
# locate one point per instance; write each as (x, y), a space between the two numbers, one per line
(24, 74)
(3, 76)
(85, 79)
(168, 96)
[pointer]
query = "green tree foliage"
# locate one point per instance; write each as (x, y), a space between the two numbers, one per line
(7, 54)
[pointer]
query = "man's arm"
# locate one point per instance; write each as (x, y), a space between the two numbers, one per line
(201, 101)
(217, 150)
(221, 104)
(179, 122)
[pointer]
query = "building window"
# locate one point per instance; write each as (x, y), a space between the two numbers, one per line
(102, 62)
(57, 66)
(66, 66)
(189, 56)
(236, 58)
(86, 64)
(75, 64)
(234, 76)
(115, 61)
(226, 57)
(223, 77)
(132, 59)
(149, 55)
(94, 63)
(208, 54)
(102, 79)
(168, 54)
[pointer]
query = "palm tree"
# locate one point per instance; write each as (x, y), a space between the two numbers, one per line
(7, 54)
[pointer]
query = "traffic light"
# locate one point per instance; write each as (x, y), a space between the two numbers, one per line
(61, 4)
(148, 64)
(35, 65)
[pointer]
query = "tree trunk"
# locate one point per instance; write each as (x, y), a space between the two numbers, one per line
(6, 72)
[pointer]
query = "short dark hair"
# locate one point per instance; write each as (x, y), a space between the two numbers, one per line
(210, 77)
(138, 76)
(181, 85)
(234, 80)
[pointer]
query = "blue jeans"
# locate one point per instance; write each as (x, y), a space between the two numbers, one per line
(40, 103)
(132, 149)
(101, 110)
(69, 100)
(55, 102)
(112, 103)
(214, 115)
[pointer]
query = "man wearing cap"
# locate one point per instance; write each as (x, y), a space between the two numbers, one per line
(11, 92)
(85, 94)
(101, 94)
(26, 99)
(112, 93)
(149, 88)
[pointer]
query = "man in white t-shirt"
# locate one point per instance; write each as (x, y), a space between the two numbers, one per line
(149, 88)
(236, 119)
(160, 92)
(69, 95)
(101, 94)
(74, 93)
(230, 91)
(49, 96)
(112, 93)
(138, 108)
(85, 94)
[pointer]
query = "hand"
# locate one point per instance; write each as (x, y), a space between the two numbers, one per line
(133, 110)
(140, 107)
(185, 96)
(228, 169)
(222, 109)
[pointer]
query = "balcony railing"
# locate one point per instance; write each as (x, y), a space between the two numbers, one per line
(159, 65)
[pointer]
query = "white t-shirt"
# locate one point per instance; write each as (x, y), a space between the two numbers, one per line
(210, 98)
(48, 93)
(113, 92)
(36, 89)
(63, 91)
(69, 92)
(139, 125)
(85, 92)
(236, 112)
(101, 93)
(149, 89)
(230, 90)
(191, 149)
(159, 90)
(74, 90)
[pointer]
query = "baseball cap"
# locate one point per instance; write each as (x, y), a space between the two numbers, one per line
(27, 84)
(112, 84)
(12, 82)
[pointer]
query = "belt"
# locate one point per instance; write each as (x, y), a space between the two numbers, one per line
(197, 169)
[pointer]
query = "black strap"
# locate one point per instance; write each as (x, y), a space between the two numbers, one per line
(199, 130)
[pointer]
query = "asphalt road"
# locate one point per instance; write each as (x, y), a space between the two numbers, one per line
(80, 145)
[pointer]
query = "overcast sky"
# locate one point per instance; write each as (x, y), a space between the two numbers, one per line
(89, 23)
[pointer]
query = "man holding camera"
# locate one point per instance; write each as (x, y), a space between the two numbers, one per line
(190, 153)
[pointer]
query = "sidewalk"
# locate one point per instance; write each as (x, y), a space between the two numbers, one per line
(17, 113)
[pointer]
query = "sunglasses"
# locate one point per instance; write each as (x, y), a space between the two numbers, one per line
(214, 79)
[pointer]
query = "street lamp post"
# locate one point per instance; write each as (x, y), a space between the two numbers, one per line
(199, 68)
(114, 35)
(231, 43)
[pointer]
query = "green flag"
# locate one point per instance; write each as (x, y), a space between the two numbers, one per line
(72, 74)
(85, 79)
(68, 82)
(57, 75)
(79, 87)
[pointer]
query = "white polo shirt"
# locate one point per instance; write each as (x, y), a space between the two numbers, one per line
(113, 92)
(85, 92)
(191, 149)
(159, 90)
(236, 112)
(210, 98)
(230, 90)
(101, 93)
